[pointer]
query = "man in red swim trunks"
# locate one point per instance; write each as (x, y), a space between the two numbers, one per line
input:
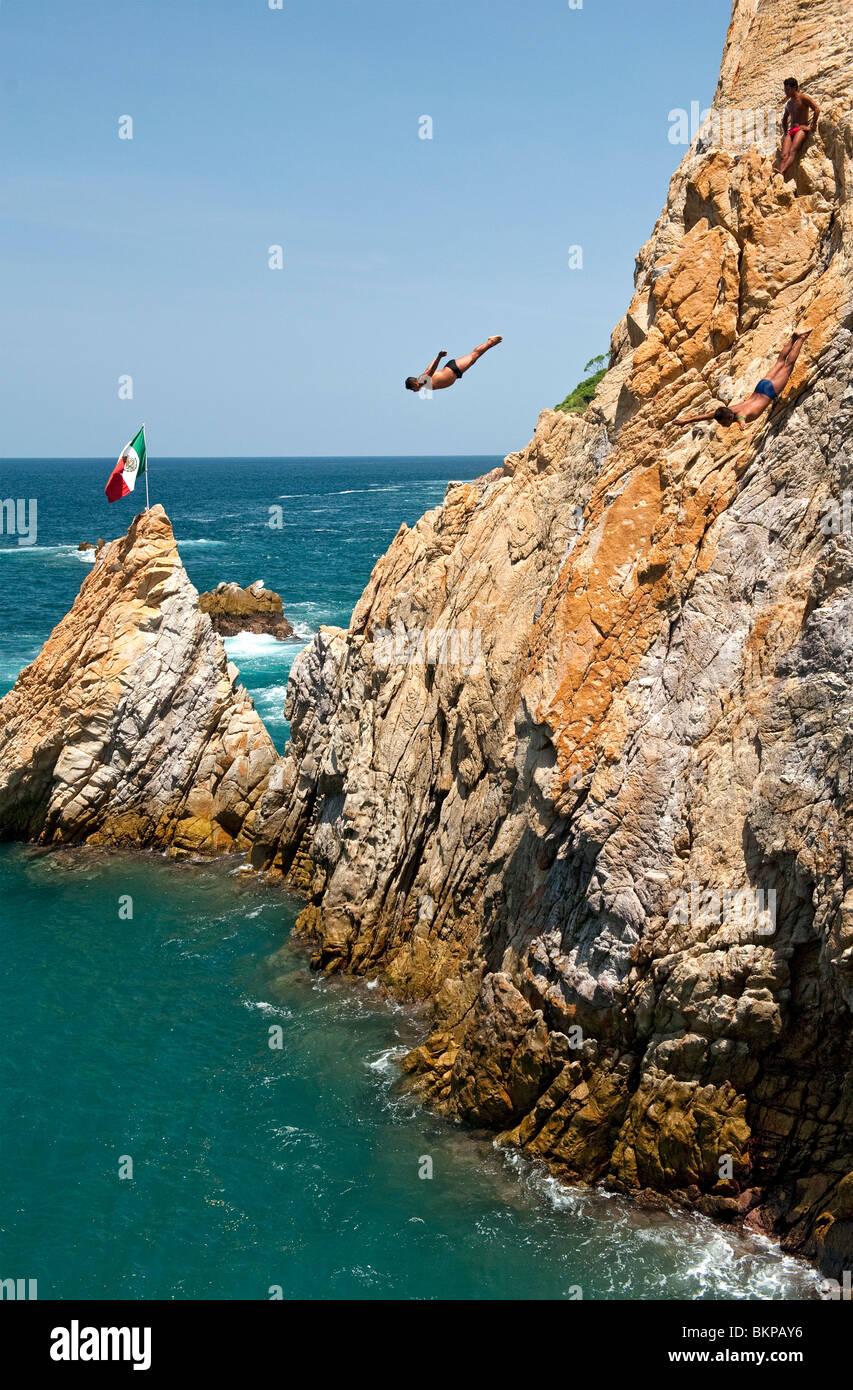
(799, 120)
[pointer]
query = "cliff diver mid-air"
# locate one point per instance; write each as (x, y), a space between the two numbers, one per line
(435, 378)
(768, 388)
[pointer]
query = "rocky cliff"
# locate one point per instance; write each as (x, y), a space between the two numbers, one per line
(129, 727)
(579, 770)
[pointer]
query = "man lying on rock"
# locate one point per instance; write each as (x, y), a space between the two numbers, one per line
(436, 378)
(768, 388)
(798, 122)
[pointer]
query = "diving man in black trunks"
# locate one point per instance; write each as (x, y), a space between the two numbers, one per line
(436, 378)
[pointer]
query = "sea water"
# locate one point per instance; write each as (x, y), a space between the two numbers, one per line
(154, 1144)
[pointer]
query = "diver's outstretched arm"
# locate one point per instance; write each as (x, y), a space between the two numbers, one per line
(433, 366)
(693, 419)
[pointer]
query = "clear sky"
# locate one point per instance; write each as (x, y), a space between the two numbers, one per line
(299, 127)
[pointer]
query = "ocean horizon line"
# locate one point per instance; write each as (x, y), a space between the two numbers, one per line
(238, 458)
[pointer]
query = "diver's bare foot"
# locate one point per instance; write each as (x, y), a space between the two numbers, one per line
(494, 340)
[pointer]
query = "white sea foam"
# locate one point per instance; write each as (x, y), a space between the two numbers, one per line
(11, 667)
(219, 516)
(68, 551)
(292, 1134)
(254, 646)
(312, 612)
(270, 700)
(342, 492)
(710, 1260)
(268, 1010)
(29, 549)
(386, 1062)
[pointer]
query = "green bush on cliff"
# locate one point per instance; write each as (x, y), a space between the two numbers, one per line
(583, 393)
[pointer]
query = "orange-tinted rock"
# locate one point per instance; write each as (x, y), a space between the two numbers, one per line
(567, 832)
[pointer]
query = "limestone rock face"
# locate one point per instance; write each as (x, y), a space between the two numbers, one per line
(255, 609)
(579, 771)
(128, 727)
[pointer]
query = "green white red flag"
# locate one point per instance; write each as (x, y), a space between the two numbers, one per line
(130, 466)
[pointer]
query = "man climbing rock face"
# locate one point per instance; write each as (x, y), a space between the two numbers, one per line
(798, 121)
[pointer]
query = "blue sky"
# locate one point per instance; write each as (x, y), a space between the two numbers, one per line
(298, 127)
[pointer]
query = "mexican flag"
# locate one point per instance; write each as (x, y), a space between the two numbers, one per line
(130, 466)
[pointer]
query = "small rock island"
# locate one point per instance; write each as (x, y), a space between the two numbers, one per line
(255, 609)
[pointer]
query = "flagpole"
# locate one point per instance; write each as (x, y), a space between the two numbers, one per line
(146, 466)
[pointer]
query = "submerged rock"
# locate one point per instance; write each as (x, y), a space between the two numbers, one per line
(255, 609)
(579, 770)
(128, 728)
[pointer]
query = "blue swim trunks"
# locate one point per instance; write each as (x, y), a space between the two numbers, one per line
(766, 388)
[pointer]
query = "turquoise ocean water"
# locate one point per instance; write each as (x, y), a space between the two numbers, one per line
(147, 1038)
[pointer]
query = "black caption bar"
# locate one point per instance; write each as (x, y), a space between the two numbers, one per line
(148, 1340)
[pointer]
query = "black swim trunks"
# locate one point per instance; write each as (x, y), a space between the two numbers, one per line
(453, 367)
